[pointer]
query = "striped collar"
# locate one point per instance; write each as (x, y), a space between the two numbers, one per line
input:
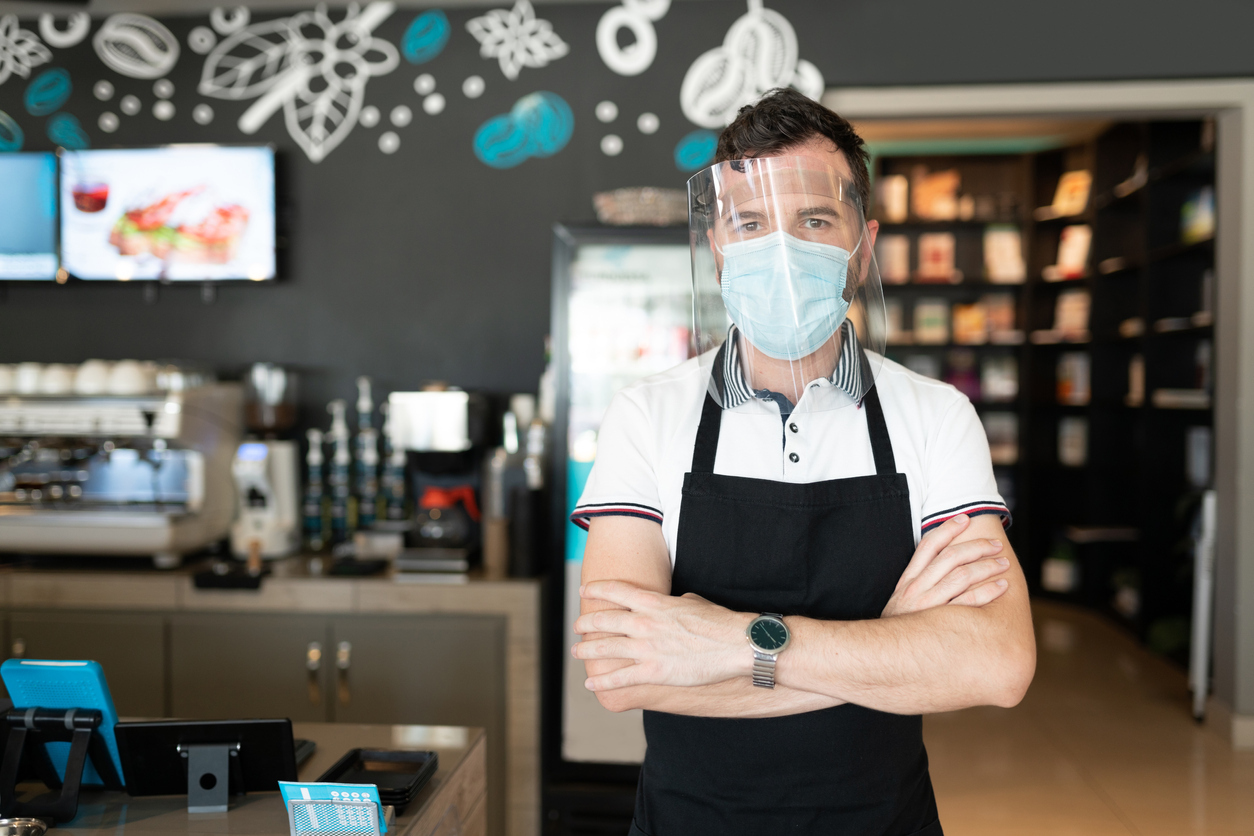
(848, 374)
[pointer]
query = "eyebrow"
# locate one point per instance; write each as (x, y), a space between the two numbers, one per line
(818, 210)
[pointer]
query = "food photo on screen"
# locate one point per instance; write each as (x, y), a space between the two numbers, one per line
(28, 216)
(179, 213)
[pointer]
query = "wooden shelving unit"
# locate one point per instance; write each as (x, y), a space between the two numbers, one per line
(1124, 516)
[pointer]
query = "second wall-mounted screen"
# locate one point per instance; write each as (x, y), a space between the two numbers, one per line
(28, 216)
(179, 213)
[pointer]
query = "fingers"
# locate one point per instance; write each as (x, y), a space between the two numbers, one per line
(621, 593)
(614, 647)
(621, 678)
(609, 621)
(953, 557)
(931, 545)
(985, 593)
(969, 576)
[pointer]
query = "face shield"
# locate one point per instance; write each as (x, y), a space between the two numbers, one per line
(787, 301)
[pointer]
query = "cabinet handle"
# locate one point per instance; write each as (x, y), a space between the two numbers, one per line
(313, 664)
(19, 648)
(344, 659)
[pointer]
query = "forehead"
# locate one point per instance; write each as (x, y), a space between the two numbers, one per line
(820, 148)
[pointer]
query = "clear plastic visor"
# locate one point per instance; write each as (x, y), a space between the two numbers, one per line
(788, 310)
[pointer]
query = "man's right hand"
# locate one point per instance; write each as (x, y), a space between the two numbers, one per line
(944, 572)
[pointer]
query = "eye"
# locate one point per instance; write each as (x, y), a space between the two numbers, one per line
(749, 226)
(815, 223)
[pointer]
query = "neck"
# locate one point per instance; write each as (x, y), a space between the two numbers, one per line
(789, 377)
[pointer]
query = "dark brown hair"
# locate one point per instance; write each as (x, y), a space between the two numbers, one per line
(784, 118)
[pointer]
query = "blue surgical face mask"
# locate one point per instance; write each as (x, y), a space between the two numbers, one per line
(786, 295)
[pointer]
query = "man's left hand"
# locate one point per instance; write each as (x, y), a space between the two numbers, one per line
(683, 640)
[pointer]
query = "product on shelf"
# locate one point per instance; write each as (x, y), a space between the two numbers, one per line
(894, 192)
(1002, 429)
(1073, 254)
(970, 324)
(892, 253)
(1073, 378)
(1073, 441)
(1071, 314)
(934, 195)
(1181, 398)
(1197, 456)
(1003, 254)
(1070, 198)
(931, 322)
(1060, 574)
(936, 258)
(927, 365)
(999, 377)
(1136, 381)
(962, 372)
(1132, 327)
(999, 313)
(894, 313)
(1202, 365)
(1197, 216)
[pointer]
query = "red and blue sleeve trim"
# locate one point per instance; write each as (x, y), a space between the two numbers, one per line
(583, 513)
(971, 509)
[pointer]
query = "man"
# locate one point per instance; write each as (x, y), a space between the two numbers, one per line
(785, 612)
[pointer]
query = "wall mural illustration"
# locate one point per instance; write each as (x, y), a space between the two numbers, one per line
(137, 46)
(426, 37)
(228, 23)
(538, 125)
(637, 16)
(74, 32)
(759, 53)
(11, 136)
(20, 50)
(48, 91)
(517, 38)
(312, 67)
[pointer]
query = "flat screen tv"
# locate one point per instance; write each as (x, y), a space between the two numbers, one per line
(28, 216)
(176, 213)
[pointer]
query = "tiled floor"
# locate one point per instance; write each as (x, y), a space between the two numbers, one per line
(1102, 744)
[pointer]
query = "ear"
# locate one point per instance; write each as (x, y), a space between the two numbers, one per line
(873, 228)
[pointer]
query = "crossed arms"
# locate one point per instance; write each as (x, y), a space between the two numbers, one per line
(956, 633)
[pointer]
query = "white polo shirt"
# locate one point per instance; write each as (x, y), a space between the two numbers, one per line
(646, 441)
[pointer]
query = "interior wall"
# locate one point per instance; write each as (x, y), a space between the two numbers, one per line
(428, 264)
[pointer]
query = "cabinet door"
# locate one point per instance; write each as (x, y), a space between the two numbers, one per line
(130, 648)
(445, 670)
(229, 666)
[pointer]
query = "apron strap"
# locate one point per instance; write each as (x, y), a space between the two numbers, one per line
(881, 444)
(706, 448)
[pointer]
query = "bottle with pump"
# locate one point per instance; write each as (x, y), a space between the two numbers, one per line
(367, 456)
(338, 481)
(315, 537)
(393, 482)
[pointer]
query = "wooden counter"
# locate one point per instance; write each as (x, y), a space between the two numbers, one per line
(140, 620)
(456, 793)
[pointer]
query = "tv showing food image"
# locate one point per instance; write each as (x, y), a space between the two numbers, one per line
(28, 216)
(179, 213)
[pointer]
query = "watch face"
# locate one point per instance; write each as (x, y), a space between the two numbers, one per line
(768, 634)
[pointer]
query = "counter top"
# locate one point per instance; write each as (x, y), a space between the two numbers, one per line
(457, 790)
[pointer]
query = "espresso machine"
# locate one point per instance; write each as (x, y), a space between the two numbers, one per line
(267, 469)
(124, 459)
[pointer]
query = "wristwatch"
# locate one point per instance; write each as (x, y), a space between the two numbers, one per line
(768, 636)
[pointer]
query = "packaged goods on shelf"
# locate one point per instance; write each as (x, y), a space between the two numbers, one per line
(1071, 314)
(1202, 365)
(1073, 441)
(1197, 456)
(1073, 254)
(999, 378)
(970, 324)
(936, 258)
(1003, 254)
(894, 313)
(1002, 429)
(999, 312)
(1136, 381)
(892, 252)
(1073, 378)
(962, 372)
(1070, 198)
(931, 322)
(894, 192)
(927, 365)
(1197, 216)
(1060, 574)
(934, 195)
(1181, 398)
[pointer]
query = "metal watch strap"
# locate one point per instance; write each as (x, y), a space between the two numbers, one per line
(764, 663)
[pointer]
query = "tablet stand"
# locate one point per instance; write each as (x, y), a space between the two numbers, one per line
(80, 727)
(208, 775)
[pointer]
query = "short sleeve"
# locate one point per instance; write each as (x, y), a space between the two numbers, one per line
(959, 470)
(623, 481)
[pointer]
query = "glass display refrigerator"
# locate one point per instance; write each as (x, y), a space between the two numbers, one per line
(622, 310)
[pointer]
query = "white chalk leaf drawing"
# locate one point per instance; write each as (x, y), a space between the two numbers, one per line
(759, 53)
(20, 49)
(311, 66)
(517, 38)
(73, 33)
(638, 17)
(225, 23)
(137, 46)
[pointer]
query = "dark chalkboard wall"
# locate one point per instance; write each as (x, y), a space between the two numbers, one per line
(428, 264)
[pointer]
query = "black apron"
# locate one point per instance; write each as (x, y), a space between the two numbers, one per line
(829, 550)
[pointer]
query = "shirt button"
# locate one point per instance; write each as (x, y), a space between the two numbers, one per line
(794, 458)
(792, 427)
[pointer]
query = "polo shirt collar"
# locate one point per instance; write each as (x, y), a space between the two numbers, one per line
(847, 377)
